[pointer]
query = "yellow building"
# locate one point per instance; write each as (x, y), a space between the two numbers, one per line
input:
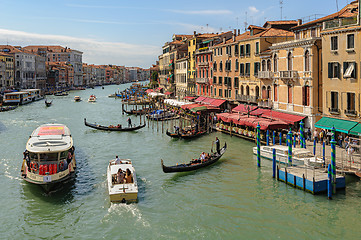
(297, 79)
(6, 70)
(341, 60)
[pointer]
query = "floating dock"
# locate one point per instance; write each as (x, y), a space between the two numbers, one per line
(310, 180)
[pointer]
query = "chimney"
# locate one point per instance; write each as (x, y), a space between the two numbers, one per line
(235, 32)
(239, 31)
(194, 33)
(299, 22)
(224, 39)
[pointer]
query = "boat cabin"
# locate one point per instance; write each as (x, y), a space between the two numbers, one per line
(16, 98)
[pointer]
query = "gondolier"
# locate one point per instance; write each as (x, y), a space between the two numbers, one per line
(217, 145)
(129, 122)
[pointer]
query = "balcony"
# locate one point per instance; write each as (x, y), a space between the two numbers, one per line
(201, 64)
(265, 103)
(351, 113)
(265, 75)
(247, 98)
(340, 22)
(334, 110)
(202, 80)
(287, 75)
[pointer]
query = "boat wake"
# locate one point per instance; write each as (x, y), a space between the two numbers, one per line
(124, 209)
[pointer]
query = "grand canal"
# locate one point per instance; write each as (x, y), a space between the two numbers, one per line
(232, 199)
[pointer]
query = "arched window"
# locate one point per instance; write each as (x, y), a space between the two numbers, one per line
(264, 65)
(268, 65)
(242, 90)
(269, 92)
(220, 66)
(257, 91)
(275, 63)
(247, 90)
(289, 61)
(289, 93)
(275, 88)
(264, 92)
(307, 61)
(215, 66)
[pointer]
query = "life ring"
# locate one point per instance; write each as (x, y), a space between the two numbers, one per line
(34, 166)
(61, 165)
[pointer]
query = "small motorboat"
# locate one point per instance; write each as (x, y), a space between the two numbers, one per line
(77, 99)
(48, 104)
(92, 98)
(194, 165)
(122, 181)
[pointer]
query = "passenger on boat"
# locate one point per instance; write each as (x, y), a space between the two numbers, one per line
(119, 126)
(128, 176)
(203, 157)
(27, 158)
(129, 122)
(117, 160)
(120, 176)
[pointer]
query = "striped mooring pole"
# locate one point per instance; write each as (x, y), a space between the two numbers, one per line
(280, 138)
(324, 153)
(258, 145)
(290, 147)
(302, 137)
(329, 182)
(314, 147)
(267, 136)
(333, 163)
(274, 138)
(294, 140)
(274, 162)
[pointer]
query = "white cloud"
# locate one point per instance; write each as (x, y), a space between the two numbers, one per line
(94, 51)
(253, 10)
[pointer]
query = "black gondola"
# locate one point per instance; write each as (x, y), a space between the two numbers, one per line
(173, 135)
(136, 112)
(48, 104)
(115, 128)
(194, 166)
(185, 135)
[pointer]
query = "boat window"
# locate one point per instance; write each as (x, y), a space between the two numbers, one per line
(266, 149)
(304, 155)
(48, 156)
(33, 156)
(63, 154)
(279, 151)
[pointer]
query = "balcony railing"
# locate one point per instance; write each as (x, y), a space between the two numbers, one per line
(288, 74)
(247, 98)
(265, 74)
(340, 22)
(202, 80)
(350, 112)
(203, 64)
(265, 103)
(334, 110)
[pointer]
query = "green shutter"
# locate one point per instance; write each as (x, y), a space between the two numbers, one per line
(330, 75)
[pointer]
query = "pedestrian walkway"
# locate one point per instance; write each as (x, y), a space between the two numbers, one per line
(349, 164)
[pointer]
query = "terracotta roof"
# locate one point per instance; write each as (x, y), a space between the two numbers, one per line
(343, 13)
(256, 27)
(280, 22)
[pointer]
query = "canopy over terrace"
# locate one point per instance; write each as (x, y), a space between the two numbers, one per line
(252, 121)
(210, 101)
(196, 107)
(175, 103)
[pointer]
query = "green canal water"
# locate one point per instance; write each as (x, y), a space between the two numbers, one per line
(231, 199)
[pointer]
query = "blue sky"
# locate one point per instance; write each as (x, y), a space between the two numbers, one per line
(131, 33)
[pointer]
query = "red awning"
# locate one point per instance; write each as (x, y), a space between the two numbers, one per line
(168, 93)
(189, 98)
(243, 108)
(286, 117)
(190, 106)
(160, 88)
(259, 111)
(199, 99)
(217, 102)
(208, 100)
(149, 90)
